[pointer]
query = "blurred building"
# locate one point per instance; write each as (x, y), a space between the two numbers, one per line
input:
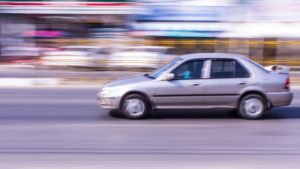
(47, 23)
(183, 22)
(266, 30)
(263, 29)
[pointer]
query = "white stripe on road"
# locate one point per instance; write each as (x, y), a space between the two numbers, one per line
(48, 101)
(19, 66)
(10, 82)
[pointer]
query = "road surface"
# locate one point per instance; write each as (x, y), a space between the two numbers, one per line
(59, 128)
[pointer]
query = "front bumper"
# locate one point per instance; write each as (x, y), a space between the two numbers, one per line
(110, 103)
(280, 98)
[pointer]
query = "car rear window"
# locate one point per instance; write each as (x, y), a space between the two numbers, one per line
(227, 69)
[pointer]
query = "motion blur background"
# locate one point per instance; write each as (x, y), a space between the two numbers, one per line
(56, 55)
(108, 34)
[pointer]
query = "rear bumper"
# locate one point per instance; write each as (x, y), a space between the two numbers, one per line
(280, 98)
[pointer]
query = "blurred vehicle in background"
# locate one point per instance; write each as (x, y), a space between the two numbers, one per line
(76, 56)
(106, 32)
(145, 57)
(19, 53)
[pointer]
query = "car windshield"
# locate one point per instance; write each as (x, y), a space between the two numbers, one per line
(158, 72)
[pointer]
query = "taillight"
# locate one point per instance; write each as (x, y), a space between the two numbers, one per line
(287, 83)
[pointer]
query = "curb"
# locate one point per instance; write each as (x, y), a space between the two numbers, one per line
(295, 80)
(48, 82)
(17, 66)
(15, 82)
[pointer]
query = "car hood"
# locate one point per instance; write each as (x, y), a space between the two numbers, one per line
(127, 81)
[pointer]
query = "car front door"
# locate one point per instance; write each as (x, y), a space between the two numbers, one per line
(185, 90)
(227, 78)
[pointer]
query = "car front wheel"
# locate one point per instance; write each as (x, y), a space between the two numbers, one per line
(252, 106)
(134, 106)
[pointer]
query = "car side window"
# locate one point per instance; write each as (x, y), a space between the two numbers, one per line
(189, 70)
(241, 72)
(227, 69)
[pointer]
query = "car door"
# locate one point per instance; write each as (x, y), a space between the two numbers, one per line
(185, 90)
(227, 78)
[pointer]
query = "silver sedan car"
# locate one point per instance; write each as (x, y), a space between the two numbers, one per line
(202, 81)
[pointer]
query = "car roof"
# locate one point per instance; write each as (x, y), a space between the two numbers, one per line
(212, 55)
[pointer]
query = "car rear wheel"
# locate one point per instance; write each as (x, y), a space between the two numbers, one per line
(134, 106)
(252, 106)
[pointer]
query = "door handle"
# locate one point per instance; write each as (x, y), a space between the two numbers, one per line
(195, 84)
(242, 83)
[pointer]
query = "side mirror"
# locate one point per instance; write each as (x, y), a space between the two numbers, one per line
(168, 77)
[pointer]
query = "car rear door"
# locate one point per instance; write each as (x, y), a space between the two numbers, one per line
(227, 78)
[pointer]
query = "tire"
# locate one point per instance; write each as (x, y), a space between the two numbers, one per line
(252, 106)
(134, 106)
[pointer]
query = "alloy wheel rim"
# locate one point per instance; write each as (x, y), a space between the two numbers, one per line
(134, 107)
(253, 107)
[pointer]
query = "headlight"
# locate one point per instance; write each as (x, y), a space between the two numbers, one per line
(109, 92)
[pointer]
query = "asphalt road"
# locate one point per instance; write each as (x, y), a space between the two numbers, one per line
(42, 128)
